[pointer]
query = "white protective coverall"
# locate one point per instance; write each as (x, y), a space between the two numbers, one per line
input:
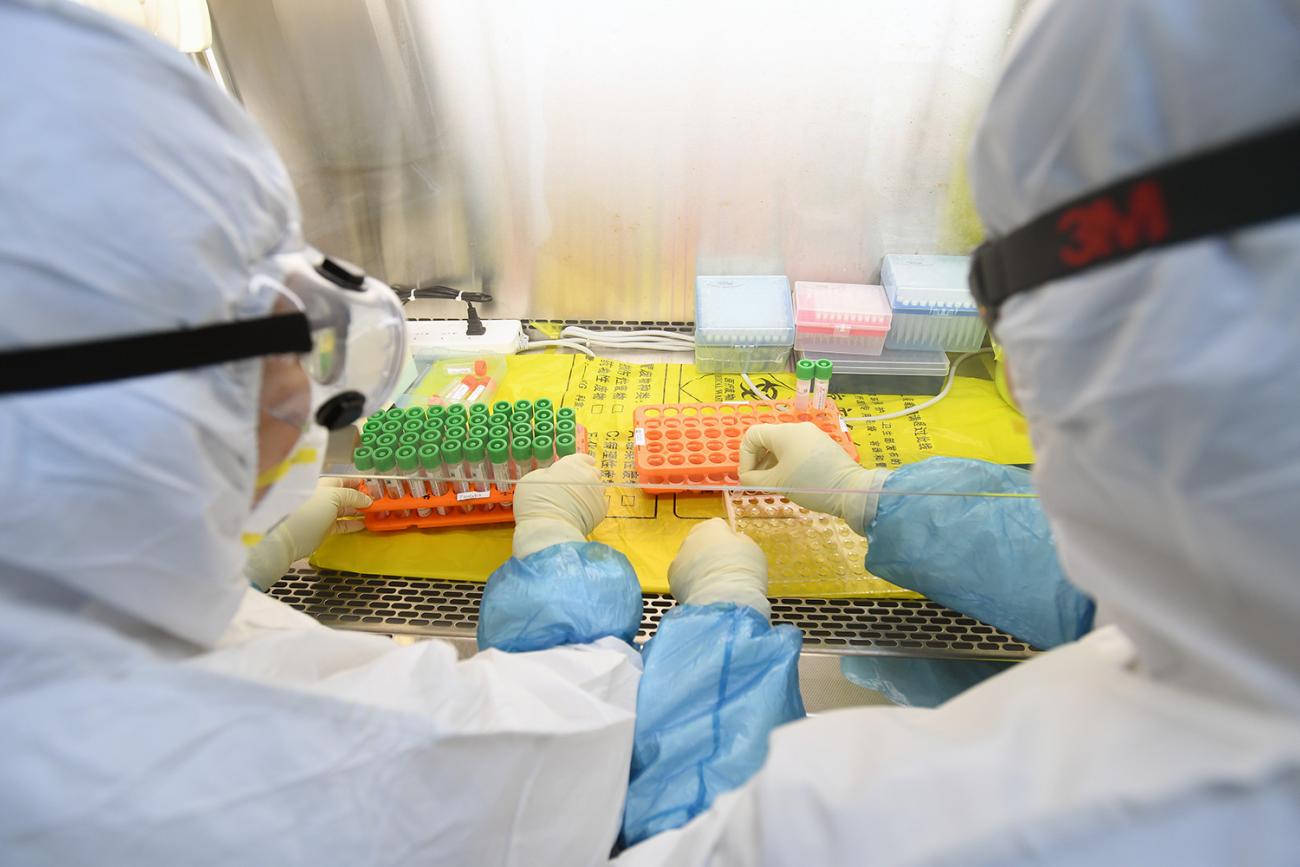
(1161, 394)
(153, 708)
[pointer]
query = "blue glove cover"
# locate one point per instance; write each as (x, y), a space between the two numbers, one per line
(718, 678)
(572, 593)
(991, 558)
(914, 682)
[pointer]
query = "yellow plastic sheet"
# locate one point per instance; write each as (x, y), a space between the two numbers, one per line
(972, 422)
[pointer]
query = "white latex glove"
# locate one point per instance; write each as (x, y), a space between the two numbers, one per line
(562, 503)
(301, 533)
(774, 456)
(717, 564)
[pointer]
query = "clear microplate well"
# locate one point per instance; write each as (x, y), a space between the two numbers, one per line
(743, 311)
(803, 546)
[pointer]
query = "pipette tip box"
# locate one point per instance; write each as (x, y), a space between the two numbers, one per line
(743, 324)
(841, 317)
(932, 305)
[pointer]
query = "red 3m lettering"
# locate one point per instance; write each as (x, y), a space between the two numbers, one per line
(1093, 231)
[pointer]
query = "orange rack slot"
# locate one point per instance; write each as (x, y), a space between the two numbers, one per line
(699, 443)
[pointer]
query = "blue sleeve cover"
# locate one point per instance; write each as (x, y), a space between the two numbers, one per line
(573, 593)
(991, 558)
(718, 678)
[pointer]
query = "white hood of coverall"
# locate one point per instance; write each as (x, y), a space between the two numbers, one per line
(105, 495)
(1162, 399)
(153, 708)
(1161, 391)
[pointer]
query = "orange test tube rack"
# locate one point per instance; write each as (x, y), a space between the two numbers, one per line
(699, 443)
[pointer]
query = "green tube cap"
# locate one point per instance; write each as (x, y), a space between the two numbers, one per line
(437, 411)
(544, 415)
(384, 459)
(524, 406)
(368, 437)
(545, 428)
(478, 431)
(430, 436)
(565, 445)
(805, 369)
(566, 426)
(544, 403)
(410, 438)
(543, 448)
(478, 409)
(824, 368)
(391, 426)
(522, 430)
(522, 448)
(408, 459)
(473, 449)
(452, 450)
(414, 412)
(386, 440)
(394, 413)
(363, 459)
(498, 451)
(566, 412)
(430, 457)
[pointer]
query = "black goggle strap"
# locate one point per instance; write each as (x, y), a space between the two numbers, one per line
(1244, 183)
(137, 355)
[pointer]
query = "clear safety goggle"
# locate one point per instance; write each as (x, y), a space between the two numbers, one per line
(357, 329)
(346, 329)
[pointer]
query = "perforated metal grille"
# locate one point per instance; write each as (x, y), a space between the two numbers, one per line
(872, 627)
(625, 324)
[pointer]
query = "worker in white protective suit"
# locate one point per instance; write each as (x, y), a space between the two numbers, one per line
(170, 355)
(1149, 149)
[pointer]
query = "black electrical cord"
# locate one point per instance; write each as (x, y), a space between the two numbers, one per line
(473, 325)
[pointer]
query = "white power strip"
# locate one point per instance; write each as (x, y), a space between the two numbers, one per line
(447, 339)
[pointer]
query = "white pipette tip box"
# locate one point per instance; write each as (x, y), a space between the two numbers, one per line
(932, 304)
(743, 323)
(850, 318)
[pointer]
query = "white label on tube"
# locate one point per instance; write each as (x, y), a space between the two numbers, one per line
(473, 495)
(475, 393)
(844, 426)
(638, 436)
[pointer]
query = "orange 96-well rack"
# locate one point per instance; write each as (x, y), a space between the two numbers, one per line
(699, 443)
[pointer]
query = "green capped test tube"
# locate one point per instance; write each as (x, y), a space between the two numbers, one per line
(413, 412)
(476, 468)
(415, 424)
(373, 423)
(822, 383)
(522, 430)
(431, 467)
(499, 461)
(368, 437)
(543, 403)
(408, 464)
(453, 456)
(525, 407)
(804, 372)
(431, 436)
(502, 407)
(521, 457)
(499, 431)
(364, 460)
(565, 444)
(386, 440)
(543, 451)
(544, 428)
(394, 413)
(478, 431)
(479, 408)
(437, 411)
(566, 426)
(392, 426)
(544, 415)
(567, 412)
(386, 464)
(409, 438)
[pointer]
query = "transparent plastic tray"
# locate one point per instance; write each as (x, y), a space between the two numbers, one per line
(894, 371)
(801, 545)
